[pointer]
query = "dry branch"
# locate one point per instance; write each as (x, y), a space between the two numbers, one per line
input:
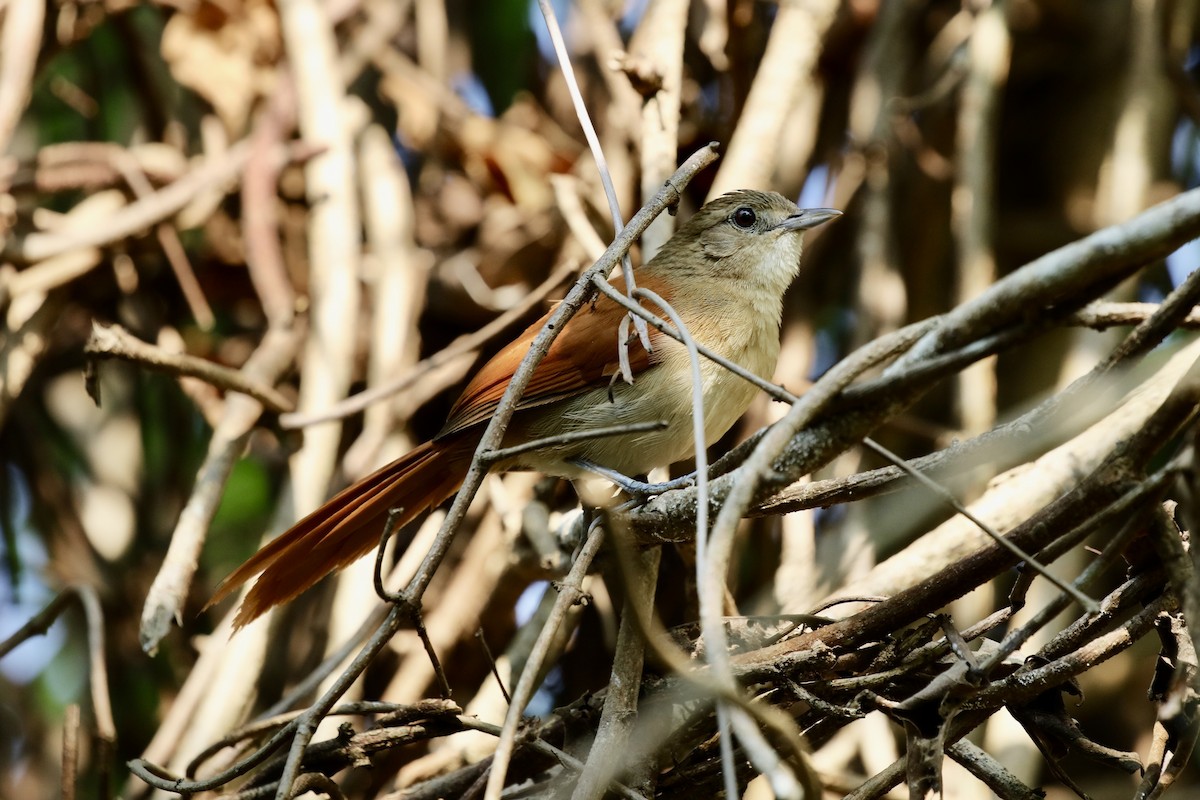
(961, 144)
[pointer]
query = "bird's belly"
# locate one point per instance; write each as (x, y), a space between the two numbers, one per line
(661, 394)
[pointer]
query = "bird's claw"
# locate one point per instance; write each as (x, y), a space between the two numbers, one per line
(638, 490)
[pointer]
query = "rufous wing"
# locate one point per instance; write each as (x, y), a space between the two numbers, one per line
(583, 357)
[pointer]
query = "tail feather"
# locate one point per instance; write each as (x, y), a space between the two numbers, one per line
(347, 527)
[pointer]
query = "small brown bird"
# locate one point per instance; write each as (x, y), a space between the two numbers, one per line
(724, 271)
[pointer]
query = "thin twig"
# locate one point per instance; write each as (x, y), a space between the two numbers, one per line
(389, 528)
(487, 652)
(419, 625)
(1013, 641)
(941, 491)
(113, 341)
(264, 723)
(306, 724)
(1023, 686)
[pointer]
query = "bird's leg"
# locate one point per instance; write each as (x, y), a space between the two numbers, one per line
(632, 486)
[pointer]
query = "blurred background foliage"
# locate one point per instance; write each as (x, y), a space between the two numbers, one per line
(1095, 117)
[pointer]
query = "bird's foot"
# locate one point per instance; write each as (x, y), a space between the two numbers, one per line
(639, 490)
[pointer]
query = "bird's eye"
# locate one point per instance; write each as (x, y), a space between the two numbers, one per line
(744, 218)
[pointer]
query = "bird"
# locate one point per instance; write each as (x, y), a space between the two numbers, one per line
(724, 271)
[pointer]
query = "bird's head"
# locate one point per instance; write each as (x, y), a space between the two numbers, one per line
(746, 236)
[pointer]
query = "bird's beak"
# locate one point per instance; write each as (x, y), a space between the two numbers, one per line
(808, 218)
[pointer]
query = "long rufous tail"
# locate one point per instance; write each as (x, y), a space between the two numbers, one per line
(348, 526)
